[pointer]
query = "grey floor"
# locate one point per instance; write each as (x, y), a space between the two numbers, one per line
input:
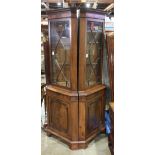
(52, 146)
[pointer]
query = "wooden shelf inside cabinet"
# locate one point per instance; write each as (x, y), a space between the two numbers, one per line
(75, 93)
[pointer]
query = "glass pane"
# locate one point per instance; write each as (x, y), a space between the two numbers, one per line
(93, 53)
(60, 43)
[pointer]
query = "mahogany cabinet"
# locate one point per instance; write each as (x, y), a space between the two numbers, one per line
(75, 93)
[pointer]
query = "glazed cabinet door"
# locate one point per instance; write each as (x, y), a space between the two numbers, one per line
(60, 42)
(63, 52)
(90, 53)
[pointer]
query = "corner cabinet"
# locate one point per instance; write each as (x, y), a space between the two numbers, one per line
(75, 92)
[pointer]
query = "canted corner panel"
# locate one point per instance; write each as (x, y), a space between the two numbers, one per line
(94, 115)
(59, 115)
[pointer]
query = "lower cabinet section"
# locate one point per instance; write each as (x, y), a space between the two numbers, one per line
(75, 117)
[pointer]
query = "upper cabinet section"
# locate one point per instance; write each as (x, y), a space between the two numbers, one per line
(76, 48)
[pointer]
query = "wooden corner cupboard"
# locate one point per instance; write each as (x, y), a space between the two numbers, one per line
(75, 91)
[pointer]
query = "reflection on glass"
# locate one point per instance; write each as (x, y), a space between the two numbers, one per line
(93, 53)
(60, 43)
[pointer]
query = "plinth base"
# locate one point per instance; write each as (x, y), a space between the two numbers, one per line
(73, 145)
